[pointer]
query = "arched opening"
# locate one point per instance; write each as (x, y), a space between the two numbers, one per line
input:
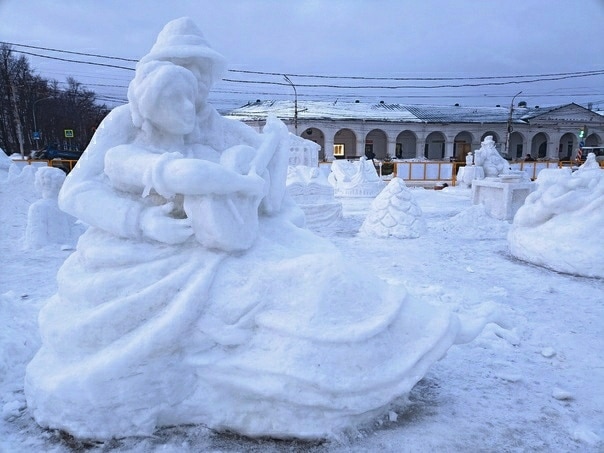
(568, 142)
(376, 144)
(435, 146)
(462, 145)
(516, 147)
(539, 145)
(316, 135)
(345, 144)
(406, 145)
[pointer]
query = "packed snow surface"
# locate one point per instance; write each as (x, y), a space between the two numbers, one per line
(535, 386)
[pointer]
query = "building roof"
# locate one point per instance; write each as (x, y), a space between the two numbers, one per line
(321, 110)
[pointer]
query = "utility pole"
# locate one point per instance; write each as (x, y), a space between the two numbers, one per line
(36, 133)
(295, 103)
(510, 128)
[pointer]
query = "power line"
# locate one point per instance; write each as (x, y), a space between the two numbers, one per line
(583, 73)
(76, 61)
(537, 77)
(395, 87)
(69, 51)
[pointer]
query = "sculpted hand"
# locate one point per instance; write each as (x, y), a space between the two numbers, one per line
(251, 184)
(157, 224)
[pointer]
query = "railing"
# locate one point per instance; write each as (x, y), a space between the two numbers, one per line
(65, 164)
(446, 171)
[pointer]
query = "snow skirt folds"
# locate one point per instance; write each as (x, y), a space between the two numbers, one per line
(286, 340)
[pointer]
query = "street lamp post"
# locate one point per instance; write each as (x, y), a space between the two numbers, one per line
(509, 128)
(295, 102)
(37, 137)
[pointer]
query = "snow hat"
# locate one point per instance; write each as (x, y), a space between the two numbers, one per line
(182, 39)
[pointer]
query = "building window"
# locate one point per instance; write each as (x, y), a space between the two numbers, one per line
(338, 150)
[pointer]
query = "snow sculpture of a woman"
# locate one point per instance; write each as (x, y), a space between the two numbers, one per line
(194, 298)
(46, 223)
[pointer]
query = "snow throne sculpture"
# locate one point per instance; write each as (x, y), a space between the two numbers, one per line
(194, 298)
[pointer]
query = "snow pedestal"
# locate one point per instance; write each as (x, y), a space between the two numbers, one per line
(501, 197)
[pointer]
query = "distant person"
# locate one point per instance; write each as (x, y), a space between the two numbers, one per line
(529, 158)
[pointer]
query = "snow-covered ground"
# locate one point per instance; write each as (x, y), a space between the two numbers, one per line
(535, 386)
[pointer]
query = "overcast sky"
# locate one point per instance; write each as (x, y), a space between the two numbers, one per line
(362, 38)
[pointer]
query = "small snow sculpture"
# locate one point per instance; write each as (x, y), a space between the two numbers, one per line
(303, 152)
(46, 223)
(355, 179)
(489, 159)
(470, 159)
(394, 213)
(195, 297)
(590, 163)
(310, 189)
(540, 233)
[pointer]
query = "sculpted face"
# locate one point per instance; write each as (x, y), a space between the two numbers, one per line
(169, 104)
(201, 69)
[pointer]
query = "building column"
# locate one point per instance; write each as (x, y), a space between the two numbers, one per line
(448, 149)
(360, 147)
(391, 148)
(552, 147)
(328, 143)
(420, 148)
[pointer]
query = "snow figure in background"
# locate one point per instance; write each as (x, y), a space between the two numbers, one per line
(46, 223)
(308, 185)
(394, 213)
(544, 231)
(311, 191)
(470, 159)
(355, 179)
(193, 297)
(5, 165)
(489, 159)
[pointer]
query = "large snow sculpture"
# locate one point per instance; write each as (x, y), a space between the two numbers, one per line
(193, 298)
(355, 179)
(394, 213)
(558, 224)
(489, 159)
(46, 223)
